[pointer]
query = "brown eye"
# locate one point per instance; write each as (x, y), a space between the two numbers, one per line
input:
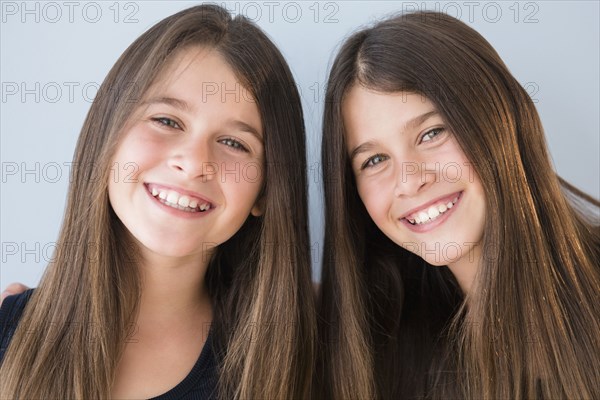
(234, 144)
(373, 161)
(168, 122)
(432, 134)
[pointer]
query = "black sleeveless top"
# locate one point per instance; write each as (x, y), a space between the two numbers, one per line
(199, 384)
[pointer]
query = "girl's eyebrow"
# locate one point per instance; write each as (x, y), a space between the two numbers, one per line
(171, 101)
(411, 124)
(243, 126)
(364, 147)
(418, 120)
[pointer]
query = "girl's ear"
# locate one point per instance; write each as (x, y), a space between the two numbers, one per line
(258, 208)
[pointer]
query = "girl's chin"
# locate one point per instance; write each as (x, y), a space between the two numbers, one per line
(162, 251)
(437, 258)
(454, 255)
(435, 262)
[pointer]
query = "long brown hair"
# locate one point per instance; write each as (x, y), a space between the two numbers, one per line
(393, 326)
(72, 332)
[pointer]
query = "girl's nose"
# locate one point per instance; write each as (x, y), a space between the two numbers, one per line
(413, 177)
(194, 160)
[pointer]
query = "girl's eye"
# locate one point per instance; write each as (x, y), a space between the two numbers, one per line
(373, 161)
(432, 134)
(234, 144)
(168, 122)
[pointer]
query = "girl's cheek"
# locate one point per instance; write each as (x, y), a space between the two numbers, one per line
(234, 170)
(371, 196)
(252, 172)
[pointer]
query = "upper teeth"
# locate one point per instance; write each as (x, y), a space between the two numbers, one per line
(431, 213)
(179, 201)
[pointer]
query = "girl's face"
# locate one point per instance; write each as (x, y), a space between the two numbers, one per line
(413, 177)
(188, 170)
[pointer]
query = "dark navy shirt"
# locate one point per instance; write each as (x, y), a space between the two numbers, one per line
(199, 384)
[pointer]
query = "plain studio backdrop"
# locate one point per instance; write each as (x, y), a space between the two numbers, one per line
(54, 55)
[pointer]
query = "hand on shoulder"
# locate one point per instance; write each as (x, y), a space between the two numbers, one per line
(13, 288)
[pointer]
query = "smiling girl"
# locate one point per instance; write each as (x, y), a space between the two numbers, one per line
(458, 264)
(171, 278)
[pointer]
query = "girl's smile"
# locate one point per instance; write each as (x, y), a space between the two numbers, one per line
(432, 214)
(179, 202)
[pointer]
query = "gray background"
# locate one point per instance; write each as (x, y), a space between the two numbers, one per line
(54, 55)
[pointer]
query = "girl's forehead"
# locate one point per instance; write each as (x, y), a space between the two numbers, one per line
(203, 68)
(181, 61)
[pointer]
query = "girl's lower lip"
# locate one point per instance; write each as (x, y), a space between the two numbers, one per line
(420, 228)
(175, 212)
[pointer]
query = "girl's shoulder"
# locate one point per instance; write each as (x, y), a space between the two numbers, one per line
(10, 314)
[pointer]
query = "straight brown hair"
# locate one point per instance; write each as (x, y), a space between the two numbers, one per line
(391, 325)
(73, 330)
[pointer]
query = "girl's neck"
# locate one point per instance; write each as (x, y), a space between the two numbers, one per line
(465, 268)
(173, 287)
